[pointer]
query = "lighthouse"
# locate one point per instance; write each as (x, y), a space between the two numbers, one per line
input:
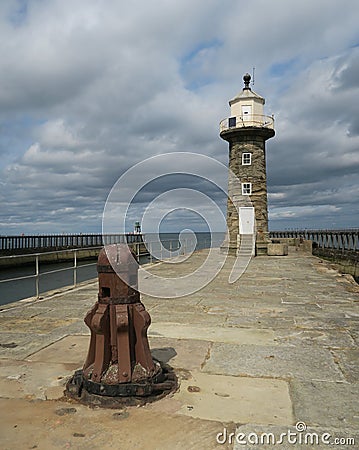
(246, 131)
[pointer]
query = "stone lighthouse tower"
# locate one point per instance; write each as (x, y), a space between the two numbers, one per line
(246, 131)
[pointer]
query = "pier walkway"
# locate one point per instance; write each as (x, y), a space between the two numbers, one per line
(277, 348)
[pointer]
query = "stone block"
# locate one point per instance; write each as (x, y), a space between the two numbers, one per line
(306, 246)
(277, 249)
(261, 248)
(236, 399)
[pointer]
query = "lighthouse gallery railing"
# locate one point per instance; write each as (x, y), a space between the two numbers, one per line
(250, 120)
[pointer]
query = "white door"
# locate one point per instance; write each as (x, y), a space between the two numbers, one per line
(246, 112)
(246, 220)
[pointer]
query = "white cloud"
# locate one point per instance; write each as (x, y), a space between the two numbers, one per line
(88, 90)
(56, 134)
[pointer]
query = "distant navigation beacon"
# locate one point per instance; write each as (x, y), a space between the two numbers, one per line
(137, 229)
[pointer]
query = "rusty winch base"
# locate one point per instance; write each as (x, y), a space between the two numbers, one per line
(119, 369)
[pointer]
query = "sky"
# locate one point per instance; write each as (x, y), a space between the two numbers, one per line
(90, 88)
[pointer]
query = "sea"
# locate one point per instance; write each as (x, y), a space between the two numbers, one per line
(58, 275)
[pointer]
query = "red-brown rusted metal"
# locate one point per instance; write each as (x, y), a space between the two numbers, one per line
(119, 350)
(119, 361)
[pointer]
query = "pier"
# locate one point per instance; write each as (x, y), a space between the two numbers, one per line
(334, 239)
(275, 350)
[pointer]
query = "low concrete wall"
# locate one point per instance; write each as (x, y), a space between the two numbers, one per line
(300, 245)
(57, 256)
(279, 249)
(25, 260)
(290, 241)
(347, 261)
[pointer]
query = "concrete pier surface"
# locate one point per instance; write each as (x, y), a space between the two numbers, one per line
(270, 361)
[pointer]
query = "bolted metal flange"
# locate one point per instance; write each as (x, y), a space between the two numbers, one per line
(122, 394)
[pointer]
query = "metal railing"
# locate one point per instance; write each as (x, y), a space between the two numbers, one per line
(251, 120)
(36, 261)
(11, 243)
(335, 239)
(166, 248)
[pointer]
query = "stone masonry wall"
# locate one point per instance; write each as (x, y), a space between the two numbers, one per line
(255, 174)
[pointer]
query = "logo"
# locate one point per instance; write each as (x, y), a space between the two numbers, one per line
(195, 183)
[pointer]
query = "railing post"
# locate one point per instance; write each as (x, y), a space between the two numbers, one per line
(37, 276)
(75, 267)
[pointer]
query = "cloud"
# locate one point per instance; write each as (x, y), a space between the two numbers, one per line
(315, 159)
(87, 91)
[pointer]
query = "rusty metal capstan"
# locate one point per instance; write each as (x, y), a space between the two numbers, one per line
(119, 364)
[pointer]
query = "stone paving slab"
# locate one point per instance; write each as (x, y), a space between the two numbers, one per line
(69, 350)
(235, 399)
(38, 326)
(214, 321)
(320, 403)
(26, 311)
(186, 354)
(326, 322)
(33, 380)
(354, 333)
(348, 363)
(273, 361)
(259, 320)
(65, 312)
(326, 338)
(60, 425)
(213, 334)
(19, 346)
